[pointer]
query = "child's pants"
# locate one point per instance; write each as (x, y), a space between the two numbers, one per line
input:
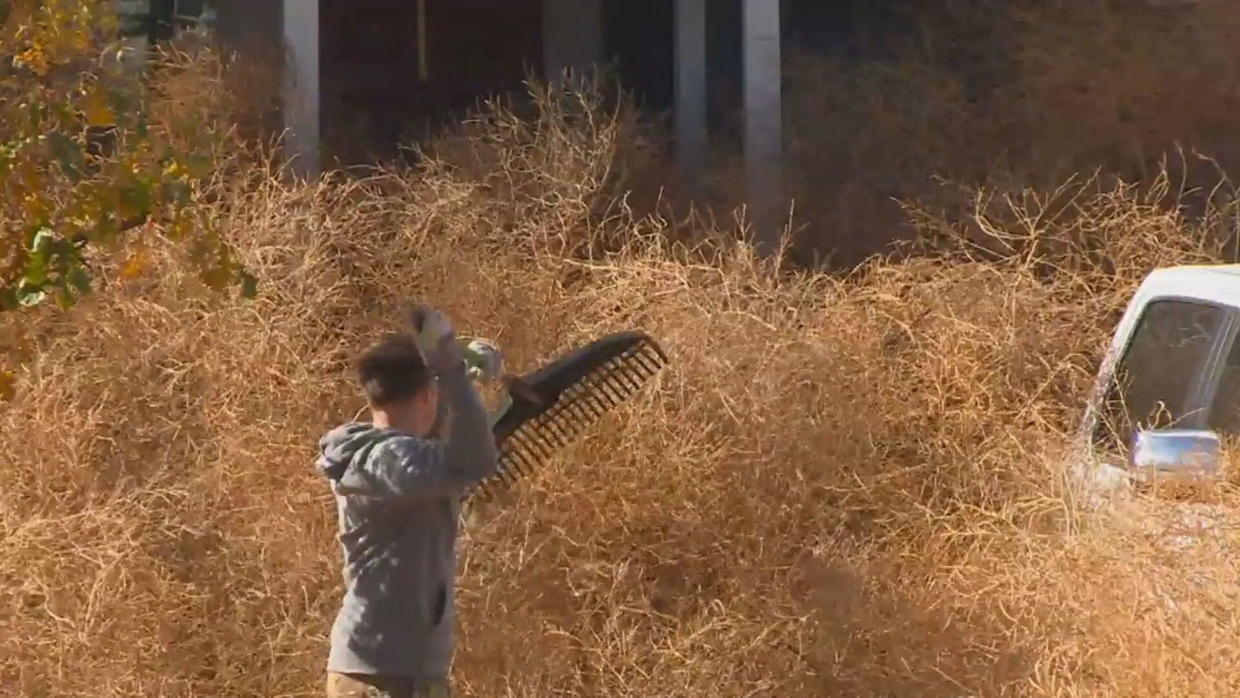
(355, 686)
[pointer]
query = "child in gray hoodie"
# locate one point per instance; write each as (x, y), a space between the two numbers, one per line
(398, 490)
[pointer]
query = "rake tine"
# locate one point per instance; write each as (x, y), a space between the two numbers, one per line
(511, 460)
(597, 406)
(618, 389)
(602, 400)
(657, 352)
(566, 421)
(521, 464)
(651, 345)
(552, 423)
(546, 439)
(495, 481)
(616, 366)
(529, 458)
(564, 415)
(523, 446)
(573, 430)
(553, 430)
(588, 410)
(507, 477)
(535, 445)
(601, 393)
(625, 377)
(556, 435)
(622, 373)
(630, 362)
(485, 488)
(605, 394)
(637, 373)
(604, 379)
(640, 369)
(650, 363)
(501, 473)
(520, 449)
(577, 400)
(494, 486)
(640, 372)
(575, 408)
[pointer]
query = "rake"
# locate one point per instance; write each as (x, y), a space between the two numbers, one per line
(547, 410)
(544, 411)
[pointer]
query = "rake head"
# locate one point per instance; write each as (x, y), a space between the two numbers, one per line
(549, 408)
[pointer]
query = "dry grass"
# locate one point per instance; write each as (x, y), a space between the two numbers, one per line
(845, 486)
(1013, 94)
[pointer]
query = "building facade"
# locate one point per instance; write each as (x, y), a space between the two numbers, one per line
(361, 77)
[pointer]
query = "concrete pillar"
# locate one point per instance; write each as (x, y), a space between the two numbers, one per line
(572, 35)
(763, 121)
(691, 129)
(301, 102)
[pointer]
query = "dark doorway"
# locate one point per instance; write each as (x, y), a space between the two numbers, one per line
(381, 88)
(639, 41)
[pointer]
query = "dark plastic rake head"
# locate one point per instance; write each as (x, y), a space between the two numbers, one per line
(552, 406)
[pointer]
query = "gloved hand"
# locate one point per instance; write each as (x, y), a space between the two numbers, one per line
(437, 339)
(484, 359)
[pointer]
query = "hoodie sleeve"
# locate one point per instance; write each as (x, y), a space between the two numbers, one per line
(463, 455)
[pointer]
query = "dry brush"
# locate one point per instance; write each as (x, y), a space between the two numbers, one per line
(845, 485)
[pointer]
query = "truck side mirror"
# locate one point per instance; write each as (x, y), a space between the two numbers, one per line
(1177, 452)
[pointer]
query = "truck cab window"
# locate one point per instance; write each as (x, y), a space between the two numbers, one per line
(1155, 378)
(1225, 410)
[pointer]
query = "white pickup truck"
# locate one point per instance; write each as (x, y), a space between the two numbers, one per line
(1168, 391)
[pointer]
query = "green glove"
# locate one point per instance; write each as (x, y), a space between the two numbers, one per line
(483, 361)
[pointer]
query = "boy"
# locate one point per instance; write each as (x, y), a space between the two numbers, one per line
(397, 492)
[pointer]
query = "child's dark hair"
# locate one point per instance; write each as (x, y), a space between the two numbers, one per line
(393, 369)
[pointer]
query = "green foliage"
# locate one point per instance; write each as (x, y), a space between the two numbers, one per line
(82, 165)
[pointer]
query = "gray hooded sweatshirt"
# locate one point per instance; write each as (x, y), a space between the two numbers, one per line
(398, 499)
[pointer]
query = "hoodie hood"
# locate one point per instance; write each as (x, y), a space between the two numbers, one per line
(348, 444)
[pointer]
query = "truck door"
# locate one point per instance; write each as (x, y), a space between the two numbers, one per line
(1166, 375)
